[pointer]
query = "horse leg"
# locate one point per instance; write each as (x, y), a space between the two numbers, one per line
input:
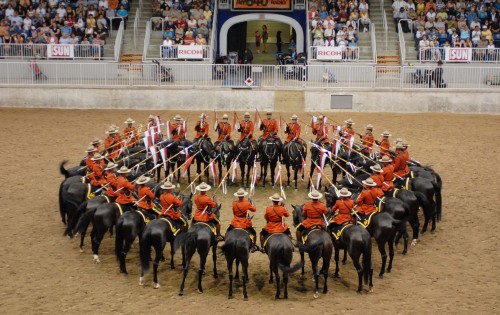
(324, 270)
(237, 275)
(278, 292)
(314, 263)
(186, 259)
(311, 173)
(156, 262)
(391, 254)
(214, 257)
(383, 253)
(172, 253)
(263, 178)
(302, 263)
(207, 172)
(288, 175)
(285, 283)
(96, 242)
(359, 269)
(337, 254)
(272, 168)
(271, 281)
(123, 256)
(295, 177)
(344, 259)
(415, 227)
(244, 269)
(230, 271)
(203, 261)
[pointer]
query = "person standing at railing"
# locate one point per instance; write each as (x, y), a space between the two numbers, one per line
(98, 46)
(353, 49)
(167, 47)
(200, 40)
(364, 20)
(398, 17)
(330, 41)
(123, 13)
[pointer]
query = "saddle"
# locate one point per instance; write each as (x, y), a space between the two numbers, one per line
(207, 224)
(269, 237)
(251, 235)
(146, 216)
(402, 183)
(306, 233)
(337, 230)
(174, 226)
(365, 220)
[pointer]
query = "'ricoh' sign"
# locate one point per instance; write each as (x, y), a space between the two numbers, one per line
(190, 52)
(328, 53)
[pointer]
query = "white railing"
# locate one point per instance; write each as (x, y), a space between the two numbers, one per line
(333, 53)
(136, 27)
(111, 20)
(140, 7)
(308, 34)
(384, 20)
(147, 38)
(183, 52)
(118, 41)
(224, 4)
(467, 55)
(51, 51)
(402, 45)
(213, 32)
(374, 42)
(189, 75)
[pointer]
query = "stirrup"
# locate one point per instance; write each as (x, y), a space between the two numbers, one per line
(219, 238)
(263, 250)
(255, 248)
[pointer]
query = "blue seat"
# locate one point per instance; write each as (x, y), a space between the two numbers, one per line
(496, 40)
(442, 38)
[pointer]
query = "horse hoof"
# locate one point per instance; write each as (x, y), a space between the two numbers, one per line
(81, 249)
(414, 242)
(245, 298)
(389, 270)
(141, 281)
(125, 273)
(381, 276)
(344, 262)
(315, 295)
(199, 291)
(433, 231)
(230, 297)
(156, 285)
(216, 276)
(76, 235)
(172, 267)
(336, 276)
(296, 189)
(96, 259)
(272, 186)
(370, 290)
(181, 293)
(358, 291)
(178, 185)
(271, 281)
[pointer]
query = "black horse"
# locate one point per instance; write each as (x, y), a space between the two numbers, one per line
(226, 156)
(269, 154)
(68, 202)
(316, 156)
(156, 234)
(429, 173)
(177, 157)
(279, 249)
(200, 237)
(318, 245)
(246, 159)
(430, 189)
(204, 150)
(237, 247)
(294, 152)
(357, 241)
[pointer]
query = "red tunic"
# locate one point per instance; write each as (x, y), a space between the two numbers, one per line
(240, 209)
(97, 176)
(224, 130)
(401, 166)
(275, 223)
(177, 131)
(113, 182)
(145, 194)
(344, 207)
(368, 139)
(388, 174)
(113, 144)
(321, 131)
(201, 129)
(293, 131)
(246, 129)
(132, 134)
(366, 200)
(153, 128)
(124, 187)
(378, 178)
(268, 126)
(385, 145)
(203, 204)
(313, 214)
(168, 203)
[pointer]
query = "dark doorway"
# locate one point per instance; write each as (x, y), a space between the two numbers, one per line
(236, 39)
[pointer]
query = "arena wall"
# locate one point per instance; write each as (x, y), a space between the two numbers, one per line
(485, 102)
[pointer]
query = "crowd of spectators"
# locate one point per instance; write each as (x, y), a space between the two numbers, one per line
(83, 22)
(453, 23)
(183, 23)
(337, 22)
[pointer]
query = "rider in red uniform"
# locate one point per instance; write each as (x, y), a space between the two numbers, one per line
(241, 219)
(275, 220)
(343, 208)
(314, 214)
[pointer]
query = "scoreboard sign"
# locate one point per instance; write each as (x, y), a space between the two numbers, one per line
(262, 5)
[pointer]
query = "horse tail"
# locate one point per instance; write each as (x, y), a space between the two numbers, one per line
(145, 250)
(367, 260)
(61, 201)
(187, 240)
(119, 238)
(74, 219)
(84, 221)
(310, 248)
(62, 170)
(285, 269)
(437, 189)
(424, 202)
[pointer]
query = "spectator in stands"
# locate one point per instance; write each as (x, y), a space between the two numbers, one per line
(178, 40)
(424, 48)
(65, 39)
(318, 41)
(189, 31)
(52, 39)
(352, 50)
(474, 23)
(420, 7)
(492, 55)
(101, 20)
(318, 31)
(322, 12)
(292, 48)
(486, 32)
(80, 21)
(334, 14)
(196, 12)
(364, 20)
(329, 31)
(61, 11)
(476, 35)
(341, 33)
(189, 39)
(351, 33)
(77, 31)
(169, 32)
(122, 12)
(73, 39)
(401, 15)
(101, 31)
(429, 25)
(330, 41)
(91, 10)
(363, 5)
(192, 23)
(452, 25)
(343, 16)
(207, 14)
(167, 47)
(200, 40)
(203, 30)
(396, 7)
(98, 50)
(430, 5)
(352, 23)
(104, 4)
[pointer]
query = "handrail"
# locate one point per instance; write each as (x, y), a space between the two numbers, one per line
(384, 16)
(402, 45)
(118, 41)
(213, 33)
(308, 36)
(146, 40)
(136, 26)
(140, 8)
(374, 42)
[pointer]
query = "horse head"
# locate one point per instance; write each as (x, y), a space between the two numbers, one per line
(216, 210)
(297, 214)
(270, 149)
(187, 205)
(225, 152)
(330, 196)
(245, 150)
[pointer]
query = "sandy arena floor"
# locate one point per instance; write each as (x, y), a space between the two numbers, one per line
(451, 271)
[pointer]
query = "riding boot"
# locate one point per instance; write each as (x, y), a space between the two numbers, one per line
(219, 237)
(254, 246)
(262, 240)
